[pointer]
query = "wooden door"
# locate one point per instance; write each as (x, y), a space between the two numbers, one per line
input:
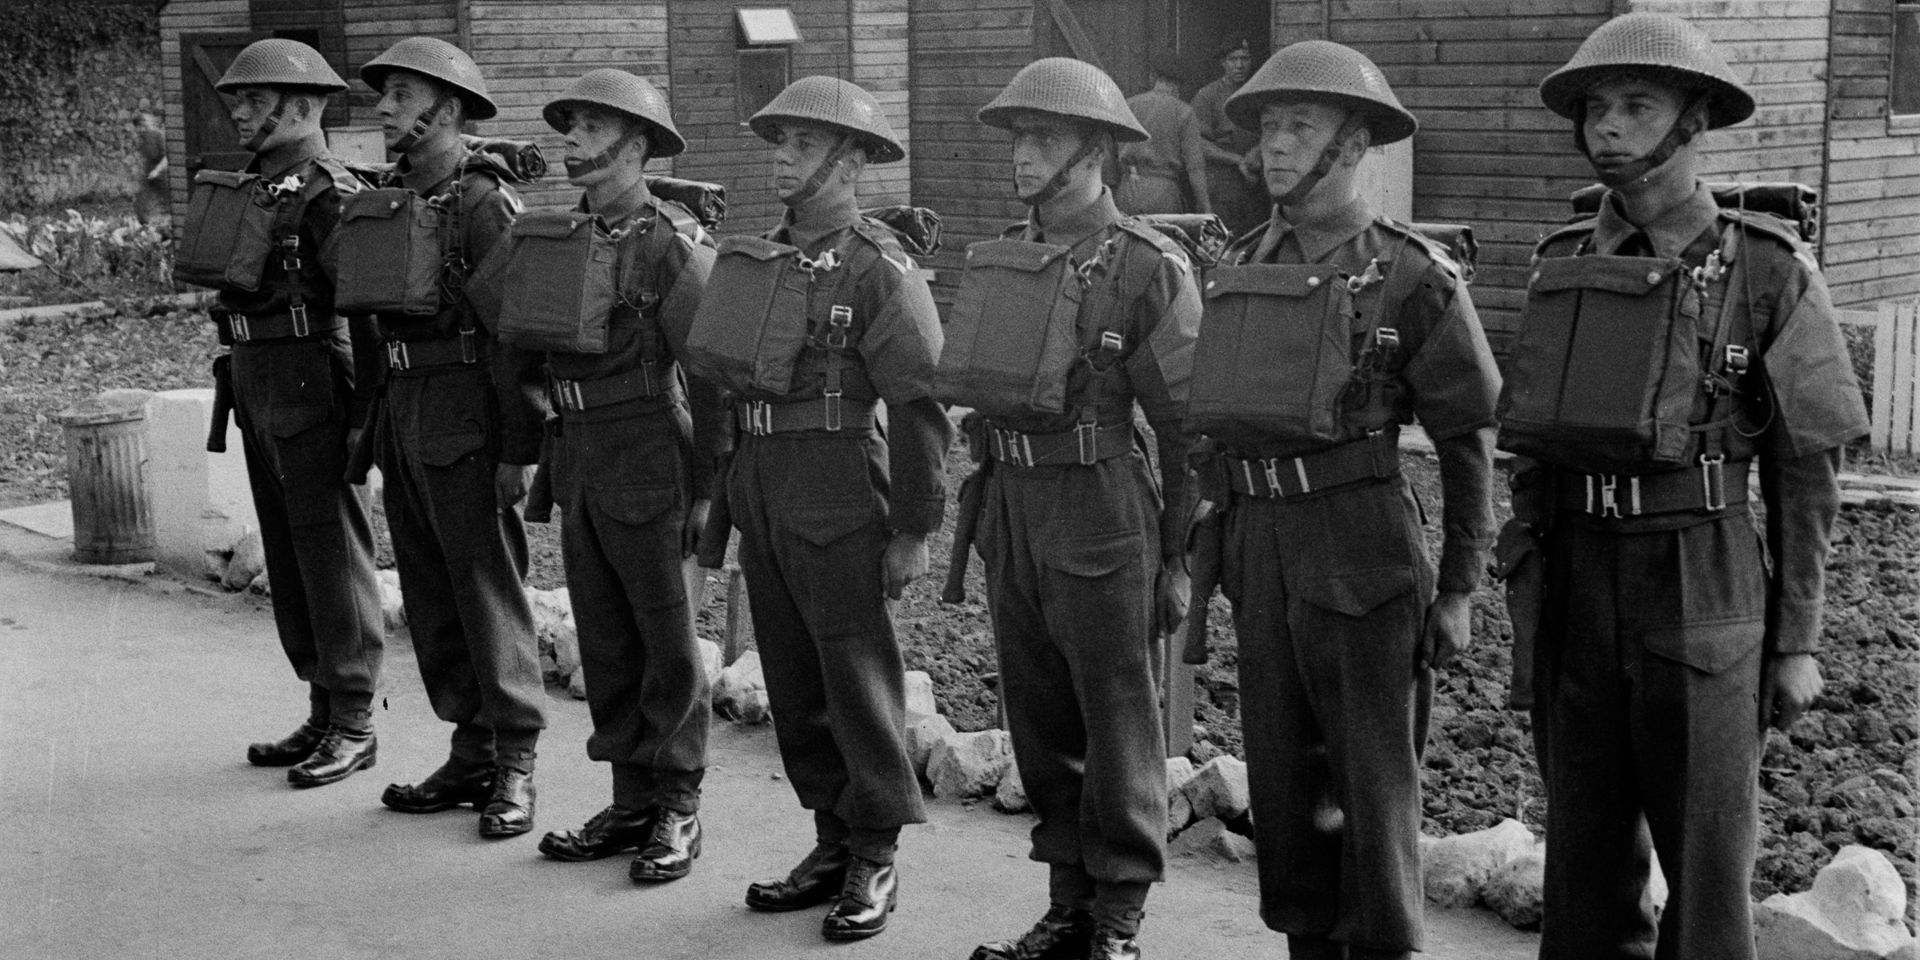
(211, 140)
(1122, 36)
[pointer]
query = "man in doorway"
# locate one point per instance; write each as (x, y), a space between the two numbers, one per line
(1167, 173)
(1233, 154)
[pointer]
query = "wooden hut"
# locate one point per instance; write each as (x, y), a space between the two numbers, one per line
(697, 50)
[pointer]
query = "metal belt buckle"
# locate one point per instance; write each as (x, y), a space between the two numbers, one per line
(299, 314)
(1736, 359)
(468, 352)
(568, 392)
(1272, 468)
(1713, 476)
(237, 324)
(1300, 470)
(397, 355)
(759, 417)
(1013, 447)
(1608, 506)
(831, 400)
(839, 321)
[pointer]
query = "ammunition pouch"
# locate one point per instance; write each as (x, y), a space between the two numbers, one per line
(707, 201)
(229, 234)
(1605, 369)
(391, 253)
(1000, 358)
(1273, 355)
(756, 314)
(560, 284)
(917, 228)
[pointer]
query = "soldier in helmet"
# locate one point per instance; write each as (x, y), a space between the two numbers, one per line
(256, 236)
(1325, 332)
(631, 458)
(451, 485)
(1083, 550)
(1669, 350)
(1233, 155)
(833, 513)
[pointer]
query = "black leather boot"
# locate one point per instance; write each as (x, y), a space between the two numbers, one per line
(457, 782)
(509, 811)
(338, 755)
(816, 880)
(613, 830)
(867, 896)
(288, 750)
(670, 852)
(1063, 934)
(1110, 944)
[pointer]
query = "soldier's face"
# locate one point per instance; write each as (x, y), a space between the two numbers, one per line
(798, 150)
(1042, 144)
(1293, 135)
(1626, 120)
(591, 132)
(1234, 66)
(403, 98)
(251, 108)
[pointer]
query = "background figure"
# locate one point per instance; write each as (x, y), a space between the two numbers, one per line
(1233, 154)
(150, 181)
(1167, 174)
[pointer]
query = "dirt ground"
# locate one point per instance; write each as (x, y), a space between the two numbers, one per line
(1844, 774)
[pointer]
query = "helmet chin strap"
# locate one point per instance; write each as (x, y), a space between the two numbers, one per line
(1058, 181)
(1322, 166)
(267, 126)
(577, 168)
(1677, 136)
(422, 123)
(818, 178)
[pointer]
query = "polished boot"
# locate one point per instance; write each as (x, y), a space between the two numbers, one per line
(1109, 944)
(457, 782)
(816, 880)
(867, 896)
(288, 750)
(339, 754)
(1063, 934)
(509, 811)
(613, 830)
(669, 853)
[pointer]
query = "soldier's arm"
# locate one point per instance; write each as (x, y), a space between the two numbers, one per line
(684, 274)
(519, 376)
(1167, 325)
(900, 345)
(1456, 386)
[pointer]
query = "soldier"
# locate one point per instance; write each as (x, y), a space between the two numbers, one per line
(1326, 331)
(1233, 154)
(256, 236)
(1669, 349)
(833, 514)
(1083, 554)
(630, 467)
(450, 485)
(1168, 172)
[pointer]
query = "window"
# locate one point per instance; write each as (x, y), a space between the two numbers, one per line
(1905, 81)
(763, 60)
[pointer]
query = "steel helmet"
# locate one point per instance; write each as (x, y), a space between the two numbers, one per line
(835, 103)
(1322, 69)
(621, 92)
(1069, 88)
(280, 63)
(1658, 47)
(439, 60)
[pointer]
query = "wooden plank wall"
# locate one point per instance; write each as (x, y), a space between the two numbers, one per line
(1872, 244)
(176, 18)
(530, 52)
(1487, 153)
(879, 30)
(701, 44)
(371, 26)
(963, 52)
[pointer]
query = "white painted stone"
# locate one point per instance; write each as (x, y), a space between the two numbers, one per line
(969, 764)
(1514, 891)
(550, 609)
(393, 608)
(710, 654)
(734, 696)
(754, 707)
(249, 562)
(1852, 913)
(1219, 789)
(577, 685)
(922, 734)
(1179, 808)
(1211, 840)
(200, 500)
(919, 696)
(1455, 868)
(1011, 795)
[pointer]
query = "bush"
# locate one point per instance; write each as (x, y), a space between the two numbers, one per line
(107, 257)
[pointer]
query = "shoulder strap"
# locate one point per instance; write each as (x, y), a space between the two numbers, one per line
(1580, 230)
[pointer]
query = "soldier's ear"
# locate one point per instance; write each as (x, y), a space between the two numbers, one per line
(1356, 144)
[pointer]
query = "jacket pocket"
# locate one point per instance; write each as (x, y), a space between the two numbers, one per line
(636, 506)
(1357, 593)
(826, 525)
(1094, 557)
(1707, 647)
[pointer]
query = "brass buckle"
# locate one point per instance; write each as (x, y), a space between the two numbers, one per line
(567, 392)
(1272, 468)
(468, 352)
(240, 327)
(1608, 506)
(831, 409)
(759, 417)
(1013, 447)
(1087, 438)
(299, 314)
(1713, 477)
(397, 358)
(839, 322)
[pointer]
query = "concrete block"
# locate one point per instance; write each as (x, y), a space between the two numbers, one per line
(1219, 789)
(201, 501)
(919, 695)
(969, 764)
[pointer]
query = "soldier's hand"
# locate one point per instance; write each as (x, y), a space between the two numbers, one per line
(695, 525)
(905, 561)
(1172, 591)
(510, 482)
(1448, 633)
(1788, 684)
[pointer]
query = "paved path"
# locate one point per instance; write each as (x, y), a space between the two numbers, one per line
(139, 831)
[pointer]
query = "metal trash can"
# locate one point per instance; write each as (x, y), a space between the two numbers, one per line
(107, 477)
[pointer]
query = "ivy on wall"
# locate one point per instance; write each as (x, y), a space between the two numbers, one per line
(73, 78)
